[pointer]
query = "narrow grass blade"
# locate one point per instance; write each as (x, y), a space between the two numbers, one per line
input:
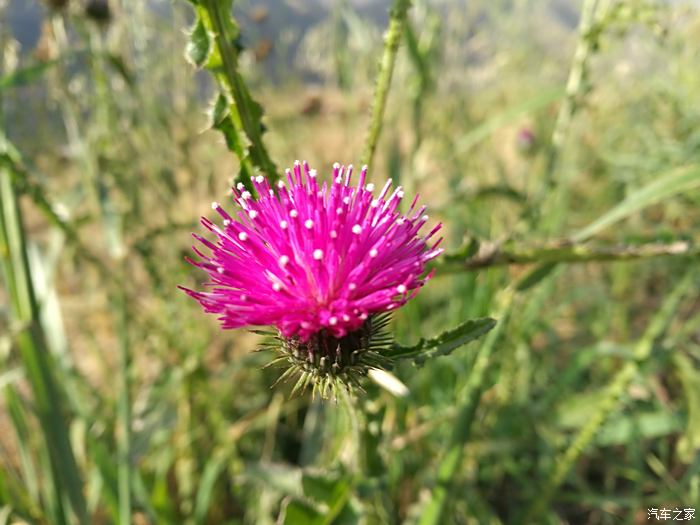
(669, 184)
(34, 354)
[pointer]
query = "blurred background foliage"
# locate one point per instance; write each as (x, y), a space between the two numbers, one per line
(534, 141)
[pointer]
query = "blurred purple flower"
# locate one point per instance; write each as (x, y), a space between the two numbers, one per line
(526, 140)
(313, 260)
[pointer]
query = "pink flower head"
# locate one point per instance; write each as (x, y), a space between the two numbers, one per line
(309, 258)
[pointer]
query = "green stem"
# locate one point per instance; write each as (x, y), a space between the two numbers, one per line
(494, 254)
(575, 82)
(124, 406)
(613, 394)
(452, 459)
(225, 34)
(392, 39)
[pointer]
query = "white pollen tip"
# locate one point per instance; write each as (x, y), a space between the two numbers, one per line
(283, 260)
(276, 287)
(333, 321)
(339, 211)
(243, 297)
(252, 214)
(220, 269)
(318, 254)
(283, 225)
(400, 194)
(401, 288)
(243, 236)
(336, 166)
(280, 184)
(272, 193)
(309, 224)
(369, 187)
(312, 174)
(334, 234)
(373, 252)
(259, 179)
(346, 200)
(214, 205)
(346, 317)
(240, 186)
(293, 214)
(365, 167)
(352, 286)
(246, 195)
(424, 218)
(338, 179)
(226, 222)
(375, 203)
(357, 229)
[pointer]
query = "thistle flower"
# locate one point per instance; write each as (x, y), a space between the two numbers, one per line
(323, 264)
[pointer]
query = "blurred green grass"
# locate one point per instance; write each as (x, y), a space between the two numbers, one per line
(123, 403)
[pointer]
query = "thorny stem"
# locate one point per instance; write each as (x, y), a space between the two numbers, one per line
(224, 36)
(494, 254)
(392, 39)
(613, 393)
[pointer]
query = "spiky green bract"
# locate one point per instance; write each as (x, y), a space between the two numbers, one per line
(328, 364)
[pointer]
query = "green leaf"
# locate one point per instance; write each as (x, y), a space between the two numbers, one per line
(689, 443)
(297, 512)
(25, 75)
(444, 343)
(221, 121)
(276, 476)
(212, 471)
(199, 45)
(117, 62)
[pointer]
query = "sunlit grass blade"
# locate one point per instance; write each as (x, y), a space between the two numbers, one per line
(667, 185)
(34, 354)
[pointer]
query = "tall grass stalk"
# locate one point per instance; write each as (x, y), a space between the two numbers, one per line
(574, 88)
(124, 404)
(65, 478)
(469, 400)
(392, 39)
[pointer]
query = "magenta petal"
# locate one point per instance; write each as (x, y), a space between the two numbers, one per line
(313, 257)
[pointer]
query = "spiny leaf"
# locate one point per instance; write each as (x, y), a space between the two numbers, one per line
(444, 343)
(199, 45)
